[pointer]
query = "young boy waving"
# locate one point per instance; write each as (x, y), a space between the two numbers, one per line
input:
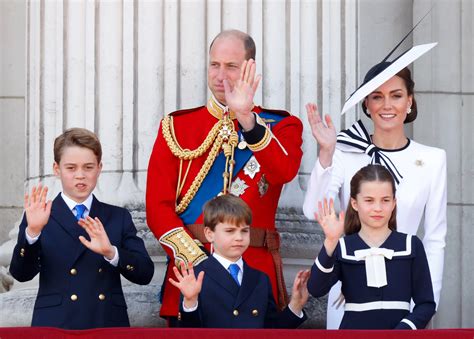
(226, 292)
(79, 245)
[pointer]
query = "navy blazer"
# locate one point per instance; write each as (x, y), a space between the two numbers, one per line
(222, 303)
(78, 288)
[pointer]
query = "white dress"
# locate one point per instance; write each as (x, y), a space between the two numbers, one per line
(421, 200)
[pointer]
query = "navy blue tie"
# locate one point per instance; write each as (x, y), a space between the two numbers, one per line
(234, 272)
(80, 209)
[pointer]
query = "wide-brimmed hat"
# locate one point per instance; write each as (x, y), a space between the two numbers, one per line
(385, 69)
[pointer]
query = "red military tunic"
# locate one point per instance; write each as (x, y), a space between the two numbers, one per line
(279, 163)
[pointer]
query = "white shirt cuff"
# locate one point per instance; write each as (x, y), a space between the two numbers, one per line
(191, 309)
(300, 315)
(114, 261)
(31, 240)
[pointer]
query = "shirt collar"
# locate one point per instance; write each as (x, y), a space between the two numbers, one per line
(71, 204)
(226, 262)
(217, 109)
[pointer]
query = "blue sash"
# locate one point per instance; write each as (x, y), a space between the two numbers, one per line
(212, 183)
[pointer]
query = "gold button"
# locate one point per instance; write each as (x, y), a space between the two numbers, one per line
(73, 297)
(255, 313)
(22, 250)
(130, 268)
(179, 315)
(100, 270)
(101, 297)
(73, 271)
(22, 254)
(236, 313)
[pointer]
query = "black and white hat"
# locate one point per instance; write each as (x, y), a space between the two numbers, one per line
(384, 70)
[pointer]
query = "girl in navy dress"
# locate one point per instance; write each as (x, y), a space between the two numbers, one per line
(381, 270)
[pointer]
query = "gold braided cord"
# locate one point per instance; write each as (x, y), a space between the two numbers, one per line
(183, 204)
(222, 135)
(175, 148)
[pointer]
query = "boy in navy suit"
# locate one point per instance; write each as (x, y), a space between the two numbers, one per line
(223, 291)
(79, 245)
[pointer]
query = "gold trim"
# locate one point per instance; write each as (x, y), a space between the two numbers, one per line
(183, 246)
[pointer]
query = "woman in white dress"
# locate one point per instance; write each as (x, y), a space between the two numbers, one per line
(419, 170)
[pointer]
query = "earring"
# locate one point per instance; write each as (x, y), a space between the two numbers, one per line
(409, 110)
(368, 112)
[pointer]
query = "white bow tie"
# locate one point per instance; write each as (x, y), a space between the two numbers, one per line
(375, 264)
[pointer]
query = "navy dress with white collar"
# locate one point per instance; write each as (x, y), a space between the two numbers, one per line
(385, 307)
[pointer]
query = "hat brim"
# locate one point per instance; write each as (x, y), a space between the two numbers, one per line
(400, 63)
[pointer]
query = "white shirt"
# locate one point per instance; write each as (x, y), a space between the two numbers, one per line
(71, 204)
(421, 195)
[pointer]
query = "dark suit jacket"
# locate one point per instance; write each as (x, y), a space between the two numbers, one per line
(222, 303)
(78, 288)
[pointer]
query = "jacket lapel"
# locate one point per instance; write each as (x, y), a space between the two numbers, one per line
(61, 213)
(220, 275)
(249, 282)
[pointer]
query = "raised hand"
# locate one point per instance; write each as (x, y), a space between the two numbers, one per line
(324, 133)
(333, 227)
(299, 292)
(37, 209)
(99, 242)
(187, 283)
(239, 99)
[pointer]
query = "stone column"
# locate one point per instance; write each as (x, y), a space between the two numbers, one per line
(116, 67)
(12, 107)
(445, 91)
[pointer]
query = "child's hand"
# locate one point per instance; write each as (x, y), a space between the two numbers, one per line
(187, 283)
(37, 209)
(299, 293)
(333, 228)
(99, 242)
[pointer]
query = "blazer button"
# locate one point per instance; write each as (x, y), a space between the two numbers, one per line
(179, 316)
(73, 271)
(101, 297)
(130, 268)
(100, 270)
(255, 313)
(236, 313)
(22, 252)
(73, 297)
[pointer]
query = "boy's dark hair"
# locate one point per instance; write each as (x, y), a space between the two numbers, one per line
(79, 137)
(226, 208)
(369, 173)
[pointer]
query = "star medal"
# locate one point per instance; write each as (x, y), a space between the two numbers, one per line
(252, 167)
(238, 187)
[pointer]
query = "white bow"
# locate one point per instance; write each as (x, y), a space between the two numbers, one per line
(375, 264)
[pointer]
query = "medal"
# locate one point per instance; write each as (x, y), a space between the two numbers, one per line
(238, 187)
(252, 167)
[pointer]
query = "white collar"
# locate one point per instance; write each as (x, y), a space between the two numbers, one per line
(226, 262)
(72, 204)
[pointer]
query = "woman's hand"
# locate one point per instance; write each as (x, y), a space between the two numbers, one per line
(324, 133)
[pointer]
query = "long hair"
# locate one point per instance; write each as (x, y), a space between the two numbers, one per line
(369, 173)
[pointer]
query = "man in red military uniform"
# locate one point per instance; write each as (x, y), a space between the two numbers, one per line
(228, 146)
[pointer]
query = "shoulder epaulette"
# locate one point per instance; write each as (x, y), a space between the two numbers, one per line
(185, 111)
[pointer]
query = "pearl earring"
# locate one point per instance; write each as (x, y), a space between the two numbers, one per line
(409, 110)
